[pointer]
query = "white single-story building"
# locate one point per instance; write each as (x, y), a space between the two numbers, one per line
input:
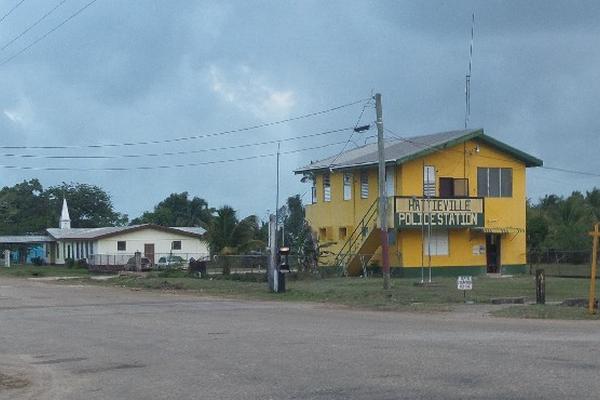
(117, 245)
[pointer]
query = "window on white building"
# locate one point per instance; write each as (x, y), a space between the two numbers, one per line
(176, 245)
(121, 245)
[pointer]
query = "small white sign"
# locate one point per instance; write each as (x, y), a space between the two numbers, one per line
(464, 283)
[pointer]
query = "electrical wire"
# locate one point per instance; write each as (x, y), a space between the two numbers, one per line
(30, 27)
(48, 33)
(352, 134)
(11, 10)
(168, 166)
(187, 138)
(170, 153)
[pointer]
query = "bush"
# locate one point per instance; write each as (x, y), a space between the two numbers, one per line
(171, 273)
(82, 263)
(69, 262)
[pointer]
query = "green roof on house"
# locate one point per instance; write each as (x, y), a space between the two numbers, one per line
(402, 150)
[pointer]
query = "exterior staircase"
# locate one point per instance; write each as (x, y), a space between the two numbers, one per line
(360, 245)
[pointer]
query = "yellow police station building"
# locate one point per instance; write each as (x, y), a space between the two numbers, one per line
(456, 203)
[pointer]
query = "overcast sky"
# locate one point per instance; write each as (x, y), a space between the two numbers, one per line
(140, 70)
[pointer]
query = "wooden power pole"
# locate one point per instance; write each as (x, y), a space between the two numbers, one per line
(385, 257)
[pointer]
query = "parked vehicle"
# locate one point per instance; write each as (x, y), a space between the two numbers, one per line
(145, 261)
(171, 261)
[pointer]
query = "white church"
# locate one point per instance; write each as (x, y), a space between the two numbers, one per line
(114, 245)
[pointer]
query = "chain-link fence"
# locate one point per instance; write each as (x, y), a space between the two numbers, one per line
(575, 264)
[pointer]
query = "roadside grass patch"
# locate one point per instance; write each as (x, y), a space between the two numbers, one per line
(361, 292)
(20, 271)
(546, 312)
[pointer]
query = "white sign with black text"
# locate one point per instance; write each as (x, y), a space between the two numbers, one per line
(464, 283)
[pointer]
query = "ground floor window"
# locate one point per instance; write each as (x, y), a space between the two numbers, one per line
(176, 245)
(121, 245)
(437, 242)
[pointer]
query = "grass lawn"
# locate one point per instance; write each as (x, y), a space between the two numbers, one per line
(353, 292)
(41, 271)
(545, 312)
(366, 293)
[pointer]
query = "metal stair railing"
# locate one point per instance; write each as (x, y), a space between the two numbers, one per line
(357, 237)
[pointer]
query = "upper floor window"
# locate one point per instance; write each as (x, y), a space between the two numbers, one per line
(326, 187)
(429, 181)
(364, 185)
(347, 186)
(390, 177)
(313, 191)
(454, 187)
(494, 182)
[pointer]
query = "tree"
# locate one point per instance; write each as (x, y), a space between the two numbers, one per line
(298, 234)
(228, 235)
(178, 210)
(23, 208)
(89, 206)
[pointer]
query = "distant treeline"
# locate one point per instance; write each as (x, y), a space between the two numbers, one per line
(557, 223)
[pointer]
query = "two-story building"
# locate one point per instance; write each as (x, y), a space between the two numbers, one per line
(456, 203)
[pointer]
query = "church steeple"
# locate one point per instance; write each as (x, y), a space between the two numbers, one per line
(65, 220)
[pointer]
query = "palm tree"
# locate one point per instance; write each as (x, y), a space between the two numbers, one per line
(228, 235)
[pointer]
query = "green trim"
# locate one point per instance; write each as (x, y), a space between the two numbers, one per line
(514, 269)
(529, 160)
(415, 272)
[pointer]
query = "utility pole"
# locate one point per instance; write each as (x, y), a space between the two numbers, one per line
(277, 195)
(272, 271)
(382, 195)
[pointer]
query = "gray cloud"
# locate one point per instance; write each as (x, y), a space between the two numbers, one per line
(137, 70)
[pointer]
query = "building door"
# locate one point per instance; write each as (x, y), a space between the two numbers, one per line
(149, 252)
(492, 251)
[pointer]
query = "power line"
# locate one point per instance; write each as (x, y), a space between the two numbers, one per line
(352, 134)
(432, 147)
(48, 33)
(169, 166)
(169, 153)
(11, 10)
(187, 138)
(571, 171)
(30, 27)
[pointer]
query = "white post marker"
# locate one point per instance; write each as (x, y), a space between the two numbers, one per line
(464, 283)
(7, 258)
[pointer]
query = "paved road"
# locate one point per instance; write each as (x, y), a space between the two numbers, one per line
(76, 342)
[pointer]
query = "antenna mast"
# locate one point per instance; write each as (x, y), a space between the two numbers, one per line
(468, 76)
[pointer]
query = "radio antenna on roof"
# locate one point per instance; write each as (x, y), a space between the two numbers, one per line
(468, 76)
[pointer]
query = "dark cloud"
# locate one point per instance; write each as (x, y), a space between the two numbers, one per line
(137, 70)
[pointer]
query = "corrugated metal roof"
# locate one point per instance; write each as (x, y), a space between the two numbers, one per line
(84, 233)
(190, 229)
(18, 239)
(94, 233)
(401, 150)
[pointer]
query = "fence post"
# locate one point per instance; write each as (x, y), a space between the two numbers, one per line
(540, 287)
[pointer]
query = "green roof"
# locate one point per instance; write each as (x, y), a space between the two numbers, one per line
(406, 149)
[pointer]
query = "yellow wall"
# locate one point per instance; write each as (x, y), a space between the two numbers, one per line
(458, 161)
